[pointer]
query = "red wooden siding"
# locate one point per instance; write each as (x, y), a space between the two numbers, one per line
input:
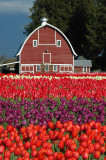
(70, 68)
(27, 69)
(47, 58)
(88, 69)
(78, 69)
(46, 36)
(31, 68)
(34, 55)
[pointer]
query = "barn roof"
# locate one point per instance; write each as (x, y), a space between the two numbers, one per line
(82, 63)
(5, 64)
(47, 24)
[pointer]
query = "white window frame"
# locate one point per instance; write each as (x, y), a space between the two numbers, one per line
(37, 68)
(54, 68)
(34, 43)
(45, 69)
(84, 68)
(57, 43)
(27, 65)
(64, 68)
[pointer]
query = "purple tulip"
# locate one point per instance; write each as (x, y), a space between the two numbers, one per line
(24, 122)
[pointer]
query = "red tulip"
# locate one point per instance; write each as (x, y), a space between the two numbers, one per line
(61, 144)
(97, 154)
(68, 153)
(2, 149)
(85, 155)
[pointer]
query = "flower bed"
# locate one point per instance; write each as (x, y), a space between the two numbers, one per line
(55, 142)
(44, 87)
(25, 112)
(52, 117)
(75, 75)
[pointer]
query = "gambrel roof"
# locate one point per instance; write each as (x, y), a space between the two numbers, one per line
(47, 24)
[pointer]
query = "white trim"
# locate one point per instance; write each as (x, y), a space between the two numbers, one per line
(55, 37)
(34, 43)
(73, 65)
(48, 64)
(27, 72)
(57, 43)
(38, 36)
(56, 68)
(38, 43)
(29, 68)
(9, 63)
(64, 68)
(50, 58)
(46, 44)
(39, 66)
(86, 69)
(69, 65)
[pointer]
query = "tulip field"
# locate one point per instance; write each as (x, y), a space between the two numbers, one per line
(53, 117)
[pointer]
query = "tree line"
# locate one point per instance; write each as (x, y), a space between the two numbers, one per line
(82, 21)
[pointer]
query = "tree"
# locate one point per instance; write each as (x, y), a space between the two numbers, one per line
(82, 28)
(3, 60)
(101, 34)
(58, 12)
(83, 22)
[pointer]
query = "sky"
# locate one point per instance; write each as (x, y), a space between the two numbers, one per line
(13, 18)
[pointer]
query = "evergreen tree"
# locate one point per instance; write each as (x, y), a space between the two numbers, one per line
(82, 21)
(58, 12)
(100, 60)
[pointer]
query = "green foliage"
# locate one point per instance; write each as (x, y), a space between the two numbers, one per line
(83, 22)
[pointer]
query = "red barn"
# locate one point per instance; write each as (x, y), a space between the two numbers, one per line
(48, 50)
(82, 66)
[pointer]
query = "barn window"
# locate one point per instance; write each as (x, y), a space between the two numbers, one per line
(55, 68)
(37, 68)
(34, 43)
(27, 69)
(58, 43)
(47, 68)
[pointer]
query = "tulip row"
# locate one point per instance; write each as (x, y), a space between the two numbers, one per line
(54, 142)
(76, 75)
(45, 87)
(38, 112)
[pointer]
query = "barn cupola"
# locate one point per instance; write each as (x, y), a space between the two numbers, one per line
(44, 21)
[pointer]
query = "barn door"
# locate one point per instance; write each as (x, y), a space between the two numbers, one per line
(46, 58)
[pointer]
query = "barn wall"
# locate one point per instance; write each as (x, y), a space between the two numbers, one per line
(26, 69)
(44, 37)
(78, 69)
(88, 69)
(34, 55)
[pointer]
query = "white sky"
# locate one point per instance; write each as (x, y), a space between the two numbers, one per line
(15, 6)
